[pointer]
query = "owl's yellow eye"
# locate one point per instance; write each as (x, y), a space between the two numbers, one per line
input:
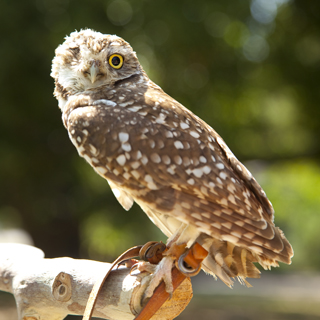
(116, 61)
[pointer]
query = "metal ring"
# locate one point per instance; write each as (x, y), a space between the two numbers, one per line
(184, 268)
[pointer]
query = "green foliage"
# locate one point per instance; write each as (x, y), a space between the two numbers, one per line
(248, 68)
(293, 187)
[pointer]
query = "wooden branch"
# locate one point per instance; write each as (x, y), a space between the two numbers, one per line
(53, 288)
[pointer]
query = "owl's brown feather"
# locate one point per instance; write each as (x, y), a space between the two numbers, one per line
(155, 151)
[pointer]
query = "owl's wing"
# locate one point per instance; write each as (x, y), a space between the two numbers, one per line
(170, 161)
(123, 197)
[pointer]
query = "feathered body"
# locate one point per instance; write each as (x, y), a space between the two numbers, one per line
(154, 151)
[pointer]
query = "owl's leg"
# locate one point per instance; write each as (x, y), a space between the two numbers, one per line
(177, 244)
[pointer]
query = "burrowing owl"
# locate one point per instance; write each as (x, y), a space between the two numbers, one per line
(154, 151)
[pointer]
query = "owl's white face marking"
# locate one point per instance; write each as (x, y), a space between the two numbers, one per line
(83, 63)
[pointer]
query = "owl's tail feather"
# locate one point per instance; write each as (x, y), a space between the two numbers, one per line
(228, 261)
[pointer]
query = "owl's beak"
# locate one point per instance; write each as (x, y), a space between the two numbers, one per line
(94, 70)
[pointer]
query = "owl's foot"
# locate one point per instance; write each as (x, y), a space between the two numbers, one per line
(159, 272)
(144, 266)
(187, 261)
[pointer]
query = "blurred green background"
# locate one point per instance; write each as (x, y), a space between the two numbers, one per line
(250, 69)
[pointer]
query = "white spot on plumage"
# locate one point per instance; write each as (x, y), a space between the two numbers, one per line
(177, 160)
(121, 160)
(224, 201)
(206, 215)
(231, 187)
(88, 159)
(196, 216)
(126, 175)
(136, 174)
(169, 134)
(223, 175)
(203, 225)
(135, 165)
(216, 225)
(124, 104)
(144, 160)
(227, 225)
(123, 137)
(191, 181)
(101, 170)
(161, 118)
(183, 125)
(155, 158)
(203, 159)
(152, 144)
(211, 184)
(81, 150)
(166, 159)
(160, 144)
(150, 182)
(220, 166)
(232, 199)
(186, 161)
(106, 102)
(194, 134)
(171, 170)
(185, 205)
(126, 147)
(186, 144)
(93, 149)
(229, 237)
(134, 108)
(178, 144)
(197, 172)
(138, 155)
(206, 169)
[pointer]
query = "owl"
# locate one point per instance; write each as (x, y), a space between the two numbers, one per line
(154, 151)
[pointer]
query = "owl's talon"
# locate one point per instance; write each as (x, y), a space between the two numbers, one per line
(162, 272)
(144, 266)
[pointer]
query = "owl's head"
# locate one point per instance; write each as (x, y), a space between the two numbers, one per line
(89, 59)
